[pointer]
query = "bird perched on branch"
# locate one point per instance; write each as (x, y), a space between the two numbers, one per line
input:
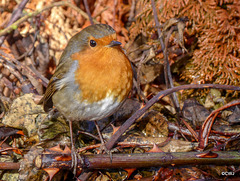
(93, 78)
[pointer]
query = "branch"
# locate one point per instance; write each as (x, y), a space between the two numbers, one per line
(207, 125)
(167, 70)
(157, 24)
(35, 13)
(51, 160)
(88, 11)
(15, 16)
(156, 98)
(9, 166)
(21, 68)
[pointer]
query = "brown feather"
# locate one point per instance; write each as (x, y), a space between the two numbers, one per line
(60, 71)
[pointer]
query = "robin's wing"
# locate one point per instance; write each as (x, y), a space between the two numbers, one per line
(52, 87)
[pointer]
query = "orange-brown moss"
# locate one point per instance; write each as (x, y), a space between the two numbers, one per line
(215, 25)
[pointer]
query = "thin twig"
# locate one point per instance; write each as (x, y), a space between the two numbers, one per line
(114, 12)
(168, 75)
(89, 134)
(207, 125)
(194, 134)
(156, 98)
(30, 49)
(167, 70)
(11, 67)
(35, 13)
(132, 11)
(22, 68)
(88, 11)
(157, 24)
(15, 16)
(100, 12)
(9, 166)
(140, 93)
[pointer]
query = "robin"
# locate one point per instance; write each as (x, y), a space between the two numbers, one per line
(93, 78)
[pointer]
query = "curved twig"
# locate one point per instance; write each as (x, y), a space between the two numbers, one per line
(30, 15)
(155, 99)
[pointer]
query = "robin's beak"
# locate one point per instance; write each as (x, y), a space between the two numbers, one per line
(114, 43)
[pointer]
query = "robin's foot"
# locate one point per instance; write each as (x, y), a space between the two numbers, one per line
(103, 149)
(74, 160)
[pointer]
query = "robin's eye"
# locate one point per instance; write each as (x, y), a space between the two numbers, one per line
(93, 43)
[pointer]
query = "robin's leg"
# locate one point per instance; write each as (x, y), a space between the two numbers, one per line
(73, 150)
(103, 147)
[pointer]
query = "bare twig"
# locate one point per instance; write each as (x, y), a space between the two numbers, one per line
(156, 98)
(18, 12)
(20, 67)
(31, 48)
(88, 11)
(194, 134)
(15, 16)
(114, 12)
(30, 15)
(12, 67)
(168, 75)
(138, 77)
(9, 166)
(89, 134)
(157, 24)
(207, 125)
(132, 11)
(100, 12)
(167, 70)
(103, 161)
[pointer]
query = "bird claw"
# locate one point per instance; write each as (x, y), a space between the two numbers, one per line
(75, 157)
(74, 160)
(104, 150)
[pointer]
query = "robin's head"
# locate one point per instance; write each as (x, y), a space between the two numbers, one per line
(92, 37)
